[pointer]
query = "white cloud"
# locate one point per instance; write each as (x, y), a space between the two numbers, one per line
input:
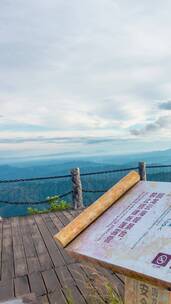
(83, 67)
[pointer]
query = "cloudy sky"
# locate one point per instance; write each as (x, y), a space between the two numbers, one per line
(88, 76)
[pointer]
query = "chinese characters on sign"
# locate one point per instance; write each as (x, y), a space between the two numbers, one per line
(134, 237)
(136, 215)
(142, 293)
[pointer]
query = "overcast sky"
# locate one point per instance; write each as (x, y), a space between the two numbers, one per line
(88, 76)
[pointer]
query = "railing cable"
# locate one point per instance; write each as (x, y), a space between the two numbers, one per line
(33, 202)
(94, 191)
(108, 171)
(33, 179)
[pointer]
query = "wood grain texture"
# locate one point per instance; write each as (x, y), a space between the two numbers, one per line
(73, 229)
(48, 275)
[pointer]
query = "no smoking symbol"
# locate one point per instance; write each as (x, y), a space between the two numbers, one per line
(162, 259)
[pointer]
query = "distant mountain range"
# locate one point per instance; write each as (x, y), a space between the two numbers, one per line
(39, 190)
(46, 167)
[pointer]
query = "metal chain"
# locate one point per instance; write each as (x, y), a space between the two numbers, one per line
(33, 203)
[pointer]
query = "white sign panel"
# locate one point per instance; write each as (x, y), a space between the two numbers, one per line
(134, 235)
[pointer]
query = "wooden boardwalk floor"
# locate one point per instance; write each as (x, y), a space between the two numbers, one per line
(32, 262)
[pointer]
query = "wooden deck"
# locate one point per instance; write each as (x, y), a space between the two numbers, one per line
(32, 262)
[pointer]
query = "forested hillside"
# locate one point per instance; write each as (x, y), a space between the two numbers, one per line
(33, 191)
(39, 190)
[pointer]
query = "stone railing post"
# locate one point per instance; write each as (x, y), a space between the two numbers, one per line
(142, 171)
(77, 189)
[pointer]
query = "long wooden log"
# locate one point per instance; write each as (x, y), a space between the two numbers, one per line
(74, 228)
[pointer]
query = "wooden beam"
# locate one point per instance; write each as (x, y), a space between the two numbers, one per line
(90, 214)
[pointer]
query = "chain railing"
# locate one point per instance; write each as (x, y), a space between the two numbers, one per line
(19, 194)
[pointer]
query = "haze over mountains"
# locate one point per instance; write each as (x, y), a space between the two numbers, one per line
(55, 165)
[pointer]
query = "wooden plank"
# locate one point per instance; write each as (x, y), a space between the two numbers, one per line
(7, 269)
(113, 280)
(33, 264)
(55, 297)
(65, 277)
(77, 212)
(21, 286)
(84, 285)
(6, 289)
(120, 276)
(20, 264)
(49, 223)
(59, 225)
(51, 280)
(53, 287)
(18, 248)
(20, 267)
(73, 213)
(30, 250)
(98, 281)
(53, 229)
(41, 249)
(68, 215)
(36, 284)
(43, 299)
(27, 238)
(53, 284)
(69, 285)
(52, 247)
(65, 221)
(103, 280)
